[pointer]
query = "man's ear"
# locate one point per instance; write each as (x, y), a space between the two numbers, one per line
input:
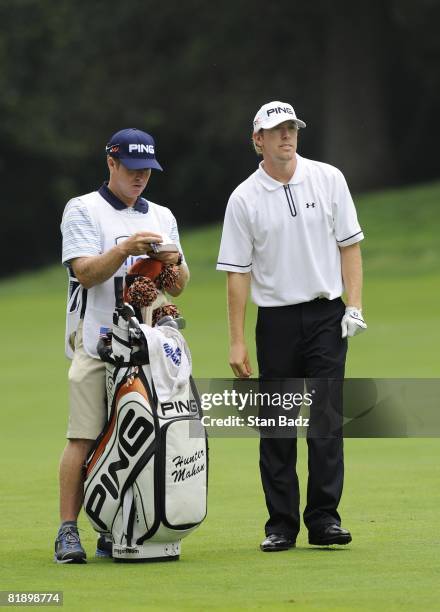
(258, 138)
(111, 163)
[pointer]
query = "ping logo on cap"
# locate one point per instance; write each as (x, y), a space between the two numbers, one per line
(141, 148)
(134, 148)
(273, 113)
(280, 109)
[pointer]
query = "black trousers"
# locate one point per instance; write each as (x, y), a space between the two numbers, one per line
(302, 341)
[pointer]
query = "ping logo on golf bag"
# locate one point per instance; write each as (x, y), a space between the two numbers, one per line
(180, 407)
(132, 435)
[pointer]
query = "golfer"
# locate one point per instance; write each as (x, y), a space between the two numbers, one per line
(291, 235)
(104, 233)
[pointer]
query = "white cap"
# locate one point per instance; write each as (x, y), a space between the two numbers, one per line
(273, 113)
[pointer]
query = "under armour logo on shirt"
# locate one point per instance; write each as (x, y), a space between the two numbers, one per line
(310, 204)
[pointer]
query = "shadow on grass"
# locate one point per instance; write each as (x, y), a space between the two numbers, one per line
(322, 549)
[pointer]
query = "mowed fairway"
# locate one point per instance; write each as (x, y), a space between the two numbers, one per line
(391, 501)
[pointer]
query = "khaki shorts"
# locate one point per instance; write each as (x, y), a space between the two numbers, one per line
(87, 397)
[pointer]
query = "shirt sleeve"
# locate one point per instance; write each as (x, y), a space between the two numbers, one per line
(236, 244)
(80, 235)
(347, 228)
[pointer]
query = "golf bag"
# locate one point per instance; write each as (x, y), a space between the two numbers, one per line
(146, 476)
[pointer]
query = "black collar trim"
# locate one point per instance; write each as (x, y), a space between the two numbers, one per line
(141, 204)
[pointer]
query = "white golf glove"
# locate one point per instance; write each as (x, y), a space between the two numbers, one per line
(352, 322)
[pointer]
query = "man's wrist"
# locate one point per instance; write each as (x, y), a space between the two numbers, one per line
(123, 251)
(237, 342)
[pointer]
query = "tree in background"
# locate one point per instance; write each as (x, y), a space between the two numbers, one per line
(363, 75)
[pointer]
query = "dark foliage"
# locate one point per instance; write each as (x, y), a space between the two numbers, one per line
(363, 75)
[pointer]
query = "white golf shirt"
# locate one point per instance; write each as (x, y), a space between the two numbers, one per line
(288, 236)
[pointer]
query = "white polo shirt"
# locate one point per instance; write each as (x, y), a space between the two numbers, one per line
(288, 236)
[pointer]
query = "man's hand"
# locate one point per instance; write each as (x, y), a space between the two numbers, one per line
(352, 322)
(140, 244)
(239, 361)
(94, 270)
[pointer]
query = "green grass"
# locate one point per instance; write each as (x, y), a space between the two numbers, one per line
(392, 495)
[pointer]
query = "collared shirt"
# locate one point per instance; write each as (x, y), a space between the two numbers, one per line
(81, 236)
(288, 235)
(141, 204)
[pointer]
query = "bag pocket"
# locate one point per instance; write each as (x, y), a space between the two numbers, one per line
(183, 474)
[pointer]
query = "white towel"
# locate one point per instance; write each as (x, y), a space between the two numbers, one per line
(170, 360)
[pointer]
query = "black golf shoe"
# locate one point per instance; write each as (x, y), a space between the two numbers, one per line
(328, 535)
(275, 542)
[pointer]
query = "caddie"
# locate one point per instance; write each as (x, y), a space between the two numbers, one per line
(291, 235)
(104, 233)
